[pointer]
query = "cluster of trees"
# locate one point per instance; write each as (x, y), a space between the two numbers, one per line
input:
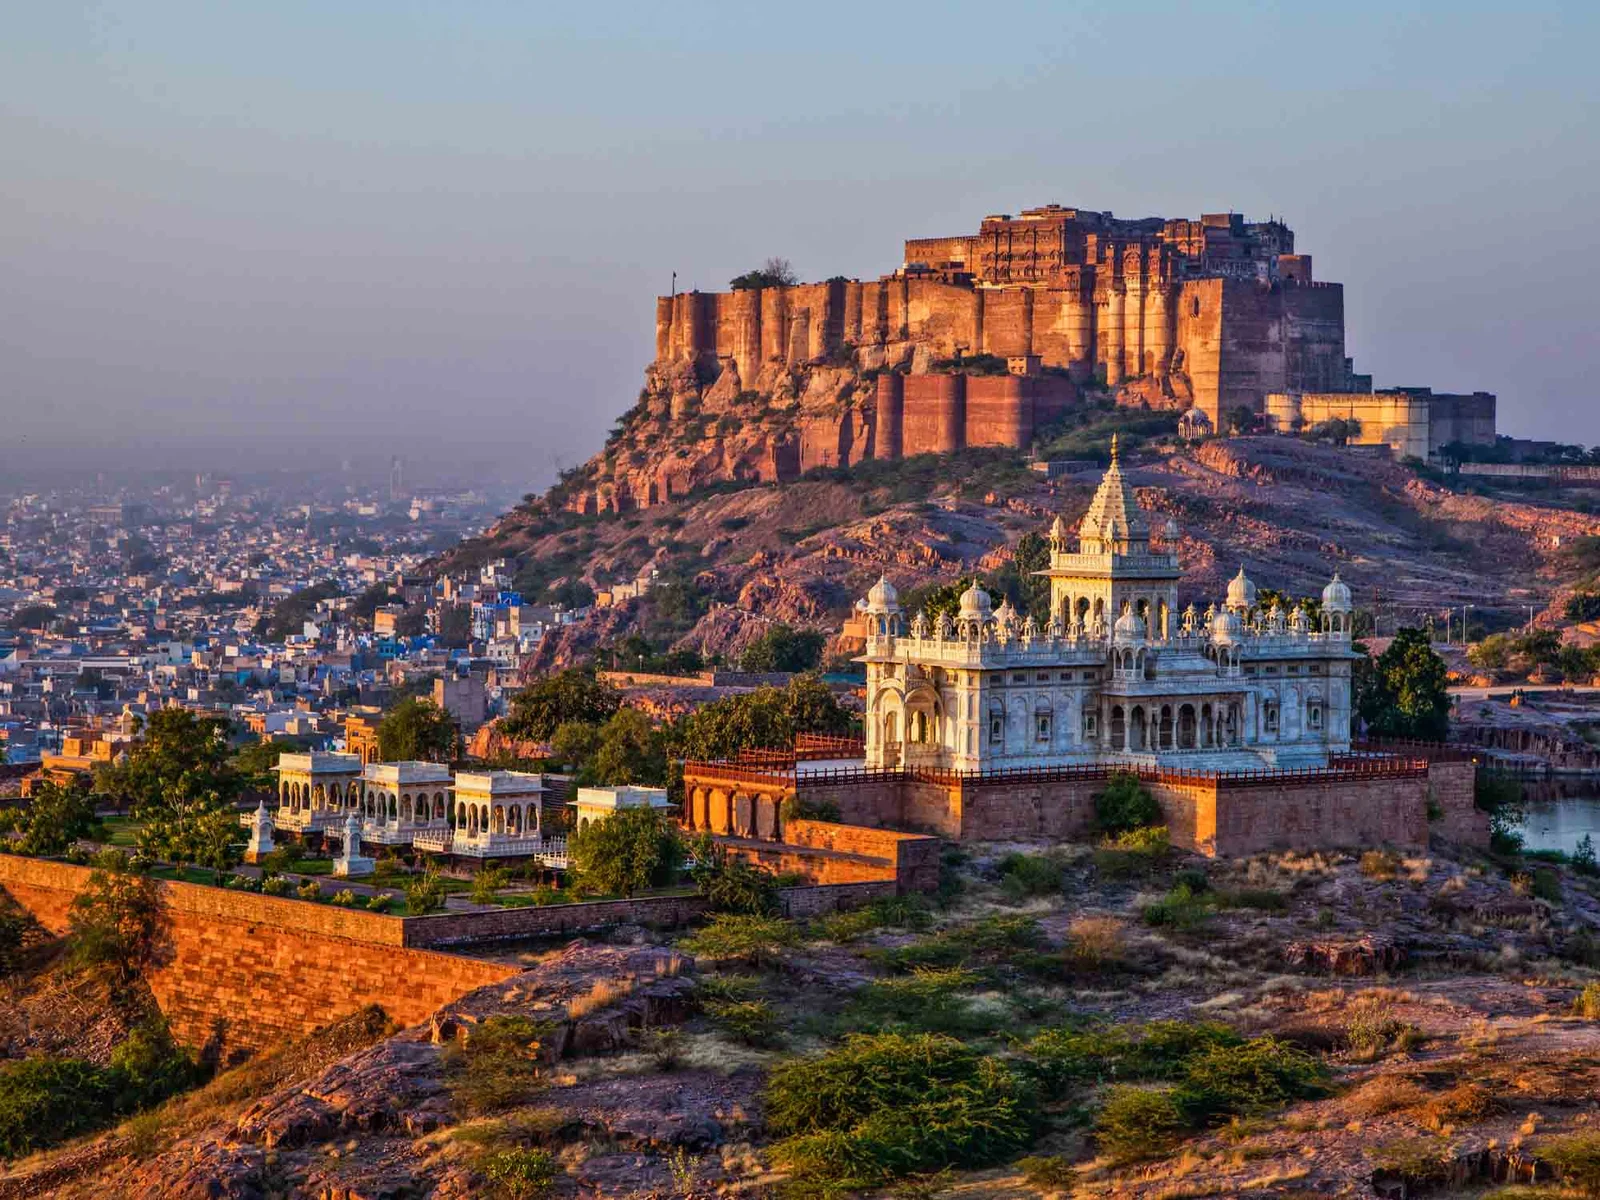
(418, 730)
(1341, 431)
(590, 731)
(775, 272)
(1525, 653)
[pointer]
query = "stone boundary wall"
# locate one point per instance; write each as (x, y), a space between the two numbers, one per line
(799, 903)
(1453, 787)
(241, 971)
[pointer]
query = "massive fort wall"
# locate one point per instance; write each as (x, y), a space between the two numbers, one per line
(764, 383)
(1226, 303)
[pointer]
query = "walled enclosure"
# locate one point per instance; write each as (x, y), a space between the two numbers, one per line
(1213, 815)
(240, 971)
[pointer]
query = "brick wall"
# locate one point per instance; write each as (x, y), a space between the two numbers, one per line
(911, 859)
(800, 903)
(241, 971)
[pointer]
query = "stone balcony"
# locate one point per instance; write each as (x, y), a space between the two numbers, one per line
(307, 820)
(392, 833)
(552, 852)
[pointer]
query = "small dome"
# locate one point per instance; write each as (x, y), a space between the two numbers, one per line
(1226, 626)
(975, 603)
(1170, 530)
(1336, 596)
(883, 596)
(1058, 529)
(1005, 614)
(1129, 628)
(1241, 592)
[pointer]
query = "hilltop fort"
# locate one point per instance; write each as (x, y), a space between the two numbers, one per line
(982, 339)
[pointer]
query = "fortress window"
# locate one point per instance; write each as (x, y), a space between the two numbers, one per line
(1019, 677)
(1091, 724)
(1314, 715)
(1041, 722)
(1269, 716)
(997, 727)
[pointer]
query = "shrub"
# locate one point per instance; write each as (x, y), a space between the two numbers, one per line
(1217, 1084)
(424, 893)
(1256, 1077)
(46, 1100)
(521, 1174)
(1061, 1059)
(928, 1000)
(732, 884)
(1178, 909)
(345, 898)
(1583, 857)
(1261, 899)
(1587, 1005)
(1380, 864)
(309, 890)
(631, 849)
(752, 939)
(14, 926)
(498, 1065)
(1140, 1122)
(904, 911)
(753, 1022)
(1095, 943)
(880, 1107)
(1577, 1158)
(486, 884)
(1051, 1172)
(1024, 875)
(378, 904)
(1136, 852)
(1125, 805)
(276, 885)
(1547, 885)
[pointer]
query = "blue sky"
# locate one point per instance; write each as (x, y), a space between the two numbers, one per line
(439, 227)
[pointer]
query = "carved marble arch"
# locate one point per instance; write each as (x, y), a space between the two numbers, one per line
(1119, 728)
(1137, 732)
(923, 715)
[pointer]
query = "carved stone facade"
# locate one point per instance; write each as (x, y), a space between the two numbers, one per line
(1116, 676)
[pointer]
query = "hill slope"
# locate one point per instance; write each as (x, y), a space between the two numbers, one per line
(802, 552)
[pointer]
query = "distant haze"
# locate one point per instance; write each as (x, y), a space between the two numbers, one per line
(438, 228)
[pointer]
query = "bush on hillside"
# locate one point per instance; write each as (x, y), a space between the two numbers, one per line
(1125, 805)
(881, 1107)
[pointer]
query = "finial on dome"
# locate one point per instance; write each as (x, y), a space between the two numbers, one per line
(1113, 448)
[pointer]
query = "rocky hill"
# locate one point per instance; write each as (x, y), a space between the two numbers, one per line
(802, 552)
(1297, 1025)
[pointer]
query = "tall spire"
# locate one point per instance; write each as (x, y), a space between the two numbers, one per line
(1113, 448)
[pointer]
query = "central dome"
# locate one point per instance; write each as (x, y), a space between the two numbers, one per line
(1241, 592)
(975, 603)
(1336, 596)
(1129, 628)
(883, 597)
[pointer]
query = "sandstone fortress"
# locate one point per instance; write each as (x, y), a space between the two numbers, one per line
(983, 339)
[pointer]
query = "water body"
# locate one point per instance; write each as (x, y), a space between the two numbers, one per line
(1557, 823)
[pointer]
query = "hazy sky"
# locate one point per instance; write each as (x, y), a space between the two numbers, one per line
(440, 226)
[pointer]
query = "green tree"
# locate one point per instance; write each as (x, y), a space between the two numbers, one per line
(1406, 695)
(34, 616)
(179, 774)
(775, 272)
(630, 750)
(573, 746)
(115, 925)
(455, 626)
(781, 648)
(416, 730)
(57, 816)
(1125, 805)
(254, 762)
(765, 719)
(571, 695)
(942, 598)
(631, 849)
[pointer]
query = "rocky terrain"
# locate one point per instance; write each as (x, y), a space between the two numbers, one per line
(1449, 1002)
(1290, 511)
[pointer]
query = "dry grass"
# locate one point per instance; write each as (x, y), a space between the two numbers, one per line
(603, 994)
(1096, 942)
(1383, 1095)
(1466, 1103)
